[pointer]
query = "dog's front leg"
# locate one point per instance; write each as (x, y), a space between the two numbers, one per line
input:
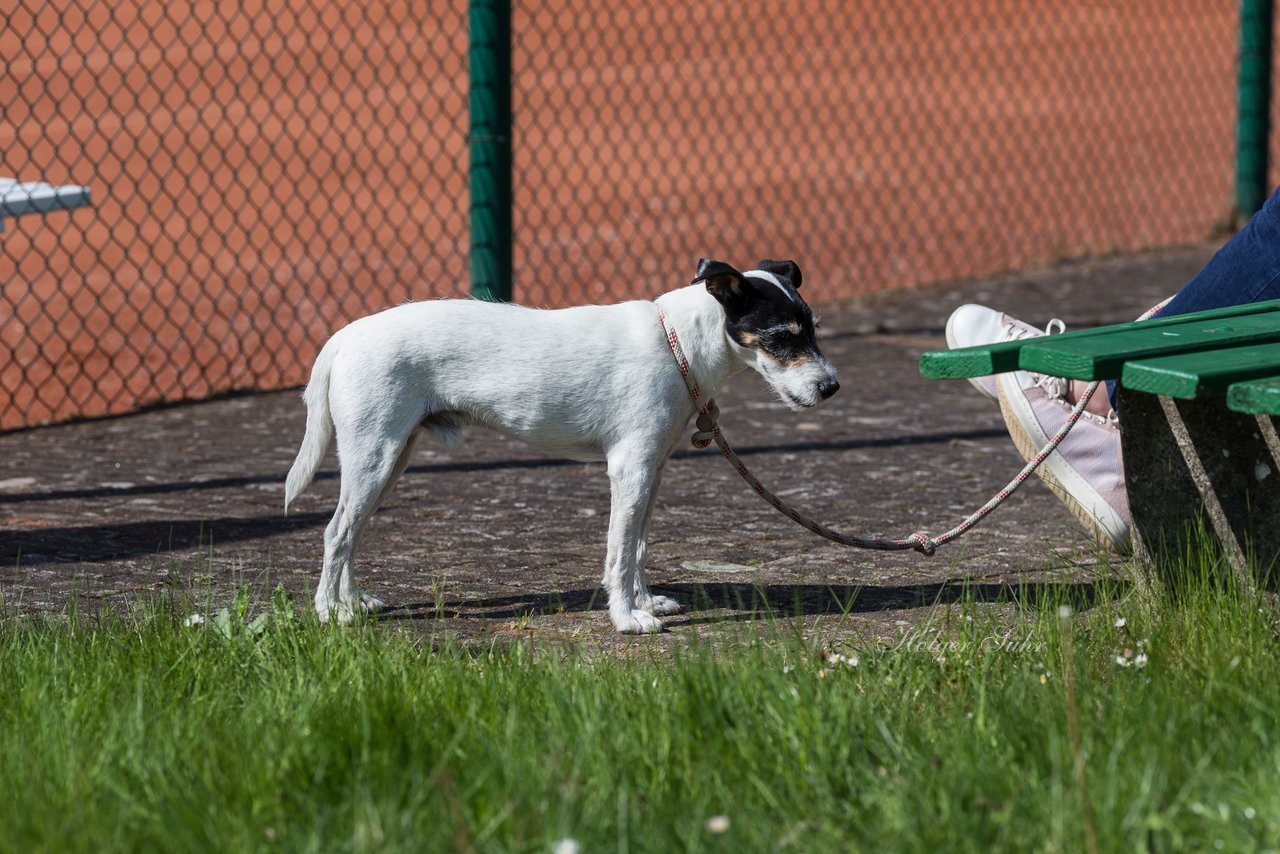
(631, 482)
(646, 601)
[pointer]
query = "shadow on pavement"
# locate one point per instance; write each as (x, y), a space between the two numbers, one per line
(765, 601)
(87, 543)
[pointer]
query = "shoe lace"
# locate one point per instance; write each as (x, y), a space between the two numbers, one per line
(1015, 332)
(1056, 388)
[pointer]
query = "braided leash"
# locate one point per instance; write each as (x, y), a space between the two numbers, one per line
(709, 431)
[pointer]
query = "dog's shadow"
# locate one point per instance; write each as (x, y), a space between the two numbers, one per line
(748, 602)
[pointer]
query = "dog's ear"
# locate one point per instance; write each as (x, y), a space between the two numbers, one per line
(786, 270)
(723, 282)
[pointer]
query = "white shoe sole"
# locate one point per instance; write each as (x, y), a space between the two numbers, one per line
(1085, 503)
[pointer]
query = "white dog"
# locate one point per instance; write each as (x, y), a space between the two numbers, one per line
(588, 383)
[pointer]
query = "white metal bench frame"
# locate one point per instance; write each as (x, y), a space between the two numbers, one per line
(25, 197)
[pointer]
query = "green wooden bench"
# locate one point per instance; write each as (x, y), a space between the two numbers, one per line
(1197, 396)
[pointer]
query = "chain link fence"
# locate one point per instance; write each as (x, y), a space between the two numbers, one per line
(263, 172)
(260, 171)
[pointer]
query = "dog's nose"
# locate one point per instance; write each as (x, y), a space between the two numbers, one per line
(828, 388)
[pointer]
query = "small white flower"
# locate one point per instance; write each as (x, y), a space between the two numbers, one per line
(718, 824)
(1044, 677)
(566, 846)
(196, 619)
(1120, 622)
(1122, 661)
(787, 668)
(1249, 813)
(1141, 661)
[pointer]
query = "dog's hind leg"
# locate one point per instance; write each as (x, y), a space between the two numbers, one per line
(646, 601)
(402, 463)
(631, 482)
(369, 471)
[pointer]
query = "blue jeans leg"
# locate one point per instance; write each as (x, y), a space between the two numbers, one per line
(1246, 269)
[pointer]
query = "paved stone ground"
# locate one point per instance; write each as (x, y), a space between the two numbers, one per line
(491, 540)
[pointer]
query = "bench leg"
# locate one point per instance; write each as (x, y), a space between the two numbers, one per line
(1196, 472)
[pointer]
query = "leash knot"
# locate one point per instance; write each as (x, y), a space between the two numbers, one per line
(707, 427)
(925, 544)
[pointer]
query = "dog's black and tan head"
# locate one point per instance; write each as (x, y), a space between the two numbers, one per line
(771, 328)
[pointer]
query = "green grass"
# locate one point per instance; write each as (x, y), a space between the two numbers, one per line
(135, 732)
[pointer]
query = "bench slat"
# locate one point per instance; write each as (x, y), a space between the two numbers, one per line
(1190, 375)
(1103, 357)
(1258, 397)
(965, 362)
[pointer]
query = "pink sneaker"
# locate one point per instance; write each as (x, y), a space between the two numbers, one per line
(1086, 471)
(973, 325)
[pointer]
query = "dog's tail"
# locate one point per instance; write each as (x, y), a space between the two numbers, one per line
(315, 442)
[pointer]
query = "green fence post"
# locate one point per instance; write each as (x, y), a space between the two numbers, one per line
(1253, 122)
(490, 142)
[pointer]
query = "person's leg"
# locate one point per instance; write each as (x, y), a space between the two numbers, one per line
(1246, 269)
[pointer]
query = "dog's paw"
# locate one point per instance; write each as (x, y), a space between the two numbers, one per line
(337, 612)
(638, 622)
(658, 605)
(370, 604)
(325, 610)
(344, 613)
